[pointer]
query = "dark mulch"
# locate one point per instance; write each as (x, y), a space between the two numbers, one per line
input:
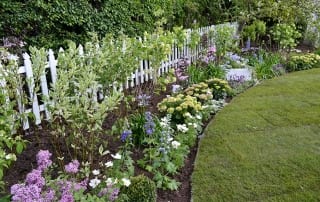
(39, 138)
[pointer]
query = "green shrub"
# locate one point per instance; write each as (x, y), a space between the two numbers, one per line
(45, 23)
(254, 30)
(303, 62)
(142, 189)
(179, 106)
(286, 35)
(220, 88)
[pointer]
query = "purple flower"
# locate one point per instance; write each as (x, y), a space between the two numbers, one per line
(114, 195)
(24, 193)
(49, 196)
(81, 185)
(66, 197)
(149, 125)
(72, 167)
(179, 72)
(212, 49)
(103, 192)
(43, 159)
(143, 100)
(125, 135)
(35, 178)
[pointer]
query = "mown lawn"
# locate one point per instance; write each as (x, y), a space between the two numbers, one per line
(265, 145)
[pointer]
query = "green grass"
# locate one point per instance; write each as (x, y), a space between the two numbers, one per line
(265, 145)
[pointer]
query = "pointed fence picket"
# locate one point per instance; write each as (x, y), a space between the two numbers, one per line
(142, 74)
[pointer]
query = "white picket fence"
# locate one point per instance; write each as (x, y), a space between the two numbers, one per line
(140, 76)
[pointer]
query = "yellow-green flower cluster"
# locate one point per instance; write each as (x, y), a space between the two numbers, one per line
(201, 91)
(305, 61)
(220, 88)
(179, 104)
(309, 58)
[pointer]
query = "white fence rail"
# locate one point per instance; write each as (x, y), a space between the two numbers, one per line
(141, 75)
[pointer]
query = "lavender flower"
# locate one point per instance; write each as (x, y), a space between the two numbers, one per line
(149, 125)
(35, 178)
(72, 167)
(43, 159)
(125, 135)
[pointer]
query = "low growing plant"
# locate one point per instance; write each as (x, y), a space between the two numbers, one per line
(142, 189)
(303, 62)
(178, 106)
(220, 88)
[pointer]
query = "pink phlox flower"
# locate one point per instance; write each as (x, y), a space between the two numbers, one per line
(67, 197)
(30, 193)
(82, 185)
(43, 159)
(212, 49)
(35, 178)
(72, 167)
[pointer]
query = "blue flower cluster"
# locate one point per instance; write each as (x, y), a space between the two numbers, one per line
(149, 125)
(125, 134)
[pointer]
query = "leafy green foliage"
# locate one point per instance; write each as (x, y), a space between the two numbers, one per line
(200, 72)
(224, 38)
(49, 23)
(77, 114)
(220, 88)
(254, 30)
(142, 189)
(286, 35)
(267, 65)
(10, 119)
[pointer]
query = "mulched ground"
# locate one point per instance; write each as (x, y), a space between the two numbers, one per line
(39, 138)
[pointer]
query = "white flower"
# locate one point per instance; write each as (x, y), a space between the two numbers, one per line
(115, 181)
(96, 172)
(182, 127)
(170, 139)
(11, 157)
(204, 106)
(175, 88)
(109, 164)
(175, 144)
(109, 181)
(94, 182)
(187, 115)
(116, 156)
(13, 57)
(195, 125)
(198, 117)
(126, 182)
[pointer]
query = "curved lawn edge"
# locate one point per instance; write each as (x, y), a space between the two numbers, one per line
(265, 145)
